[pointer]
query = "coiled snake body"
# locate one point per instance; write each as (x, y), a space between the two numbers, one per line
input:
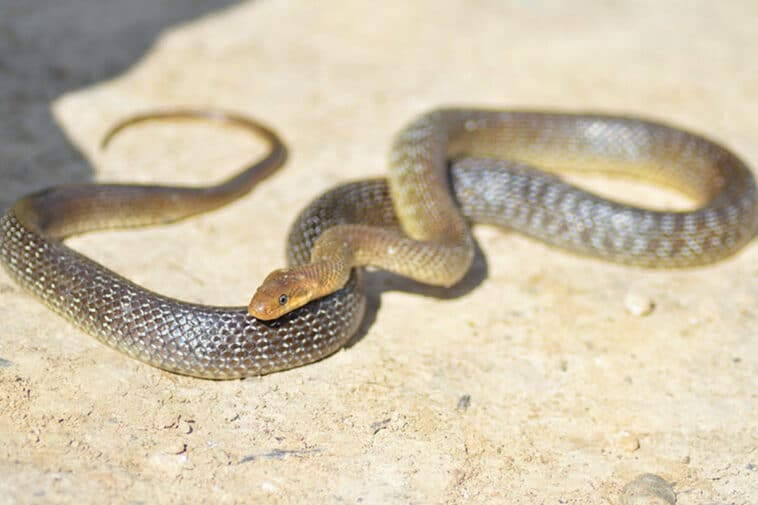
(449, 167)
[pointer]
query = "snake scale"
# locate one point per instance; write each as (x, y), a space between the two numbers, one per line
(448, 168)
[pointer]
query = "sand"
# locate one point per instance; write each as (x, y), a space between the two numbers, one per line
(546, 378)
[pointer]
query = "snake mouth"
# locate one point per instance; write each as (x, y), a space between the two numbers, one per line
(282, 291)
(259, 308)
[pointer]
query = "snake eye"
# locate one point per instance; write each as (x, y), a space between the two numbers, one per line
(283, 299)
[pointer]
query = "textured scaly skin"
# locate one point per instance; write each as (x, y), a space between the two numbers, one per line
(434, 245)
(226, 342)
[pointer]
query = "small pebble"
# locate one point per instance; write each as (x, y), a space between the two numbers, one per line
(464, 402)
(638, 304)
(269, 486)
(648, 489)
(628, 442)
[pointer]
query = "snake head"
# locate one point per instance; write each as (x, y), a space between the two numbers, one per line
(282, 291)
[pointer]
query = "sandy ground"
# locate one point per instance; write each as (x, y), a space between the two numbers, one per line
(537, 384)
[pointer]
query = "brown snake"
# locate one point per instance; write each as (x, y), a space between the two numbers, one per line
(411, 223)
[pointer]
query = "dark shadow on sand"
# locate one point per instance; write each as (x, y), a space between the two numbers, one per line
(50, 47)
(379, 281)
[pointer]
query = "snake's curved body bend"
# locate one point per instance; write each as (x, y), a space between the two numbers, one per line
(492, 180)
(434, 246)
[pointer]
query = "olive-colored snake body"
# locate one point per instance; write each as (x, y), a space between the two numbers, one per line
(416, 223)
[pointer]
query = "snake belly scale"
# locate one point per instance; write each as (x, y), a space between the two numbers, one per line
(448, 168)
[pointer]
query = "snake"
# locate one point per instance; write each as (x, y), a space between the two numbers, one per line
(448, 168)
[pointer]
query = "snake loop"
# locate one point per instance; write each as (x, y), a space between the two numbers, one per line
(448, 168)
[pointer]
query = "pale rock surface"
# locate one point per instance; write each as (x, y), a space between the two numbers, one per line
(554, 363)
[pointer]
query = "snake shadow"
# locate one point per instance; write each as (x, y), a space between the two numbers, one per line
(51, 47)
(377, 282)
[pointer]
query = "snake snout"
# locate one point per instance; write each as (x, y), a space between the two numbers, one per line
(259, 309)
(282, 291)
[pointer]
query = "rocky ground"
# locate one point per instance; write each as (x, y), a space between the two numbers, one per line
(548, 378)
